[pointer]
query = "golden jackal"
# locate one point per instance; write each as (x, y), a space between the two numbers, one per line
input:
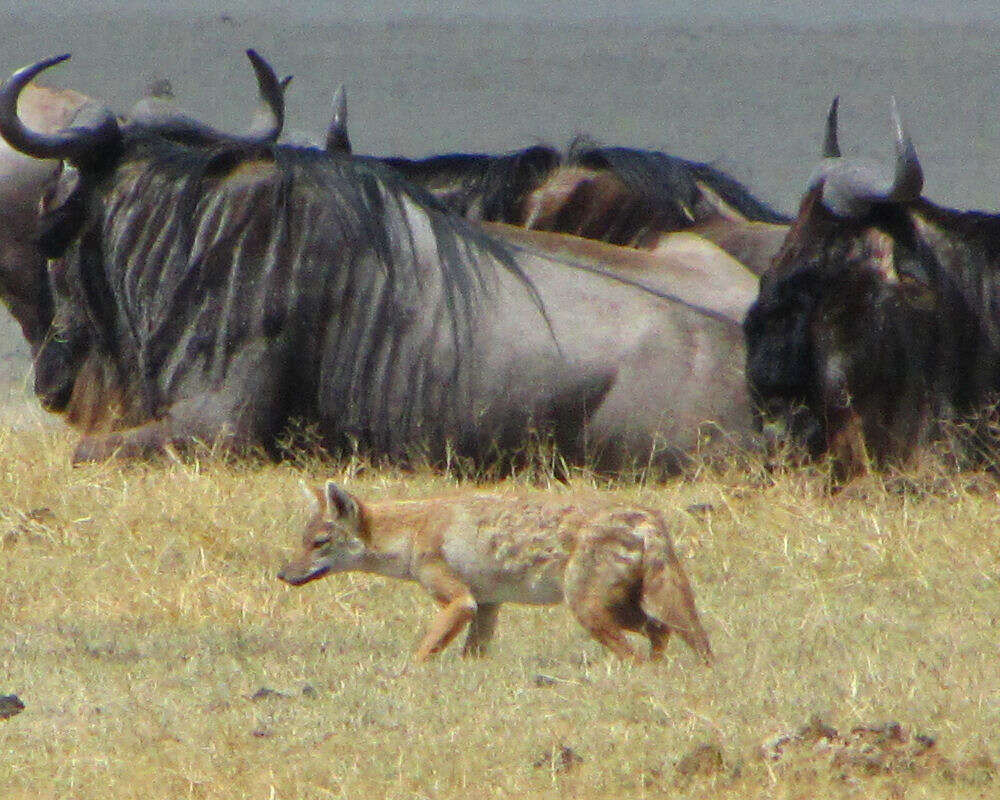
(613, 563)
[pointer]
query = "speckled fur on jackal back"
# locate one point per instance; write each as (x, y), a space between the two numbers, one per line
(612, 563)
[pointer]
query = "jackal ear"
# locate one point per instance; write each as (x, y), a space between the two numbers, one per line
(340, 501)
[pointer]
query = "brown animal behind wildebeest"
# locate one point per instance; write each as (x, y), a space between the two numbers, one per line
(636, 198)
(227, 287)
(880, 316)
(612, 563)
(619, 195)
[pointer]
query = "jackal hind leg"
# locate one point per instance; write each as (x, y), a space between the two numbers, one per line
(481, 629)
(458, 607)
(658, 635)
(596, 597)
(631, 617)
(601, 623)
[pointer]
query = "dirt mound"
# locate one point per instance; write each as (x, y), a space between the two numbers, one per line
(887, 749)
(10, 704)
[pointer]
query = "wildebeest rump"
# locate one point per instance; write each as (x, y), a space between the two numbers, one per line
(881, 313)
(684, 266)
(227, 287)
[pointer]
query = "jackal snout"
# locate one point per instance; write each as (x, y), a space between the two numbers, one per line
(332, 540)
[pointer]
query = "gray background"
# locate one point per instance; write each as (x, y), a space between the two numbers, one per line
(744, 85)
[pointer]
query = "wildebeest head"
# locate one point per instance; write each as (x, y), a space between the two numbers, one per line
(23, 181)
(842, 332)
(95, 140)
(90, 148)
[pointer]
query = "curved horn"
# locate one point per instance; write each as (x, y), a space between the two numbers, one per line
(831, 147)
(337, 140)
(157, 112)
(851, 186)
(70, 144)
(908, 180)
(270, 116)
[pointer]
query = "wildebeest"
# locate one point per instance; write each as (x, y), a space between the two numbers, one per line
(220, 287)
(494, 190)
(68, 375)
(683, 266)
(880, 315)
(23, 182)
(633, 197)
(619, 195)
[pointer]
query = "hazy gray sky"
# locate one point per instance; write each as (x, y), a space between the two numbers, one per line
(799, 12)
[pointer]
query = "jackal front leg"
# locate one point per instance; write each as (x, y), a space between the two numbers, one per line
(481, 629)
(458, 607)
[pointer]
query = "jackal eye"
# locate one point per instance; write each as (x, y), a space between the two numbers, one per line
(319, 541)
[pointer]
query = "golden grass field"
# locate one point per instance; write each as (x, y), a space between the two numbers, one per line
(157, 656)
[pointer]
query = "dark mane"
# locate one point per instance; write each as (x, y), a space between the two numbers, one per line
(964, 272)
(293, 247)
(668, 182)
(974, 268)
(480, 186)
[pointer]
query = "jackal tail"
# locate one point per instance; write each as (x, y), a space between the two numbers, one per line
(666, 593)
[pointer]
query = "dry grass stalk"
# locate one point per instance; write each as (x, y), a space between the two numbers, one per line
(140, 617)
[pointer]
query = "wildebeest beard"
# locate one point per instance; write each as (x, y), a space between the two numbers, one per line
(890, 320)
(186, 271)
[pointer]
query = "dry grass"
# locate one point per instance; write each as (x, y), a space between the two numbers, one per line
(140, 618)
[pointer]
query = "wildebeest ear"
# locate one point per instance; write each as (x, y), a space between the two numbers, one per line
(62, 212)
(340, 501)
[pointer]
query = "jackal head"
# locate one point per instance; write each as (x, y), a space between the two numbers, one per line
(332, 540)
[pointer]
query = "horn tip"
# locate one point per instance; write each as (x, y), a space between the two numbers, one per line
(26, 74)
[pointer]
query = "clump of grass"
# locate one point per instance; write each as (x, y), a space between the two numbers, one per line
(140, 618)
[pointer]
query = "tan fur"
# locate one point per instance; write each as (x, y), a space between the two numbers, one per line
(612, 563)
(683, 265)
(753, 244)
(593, 198)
